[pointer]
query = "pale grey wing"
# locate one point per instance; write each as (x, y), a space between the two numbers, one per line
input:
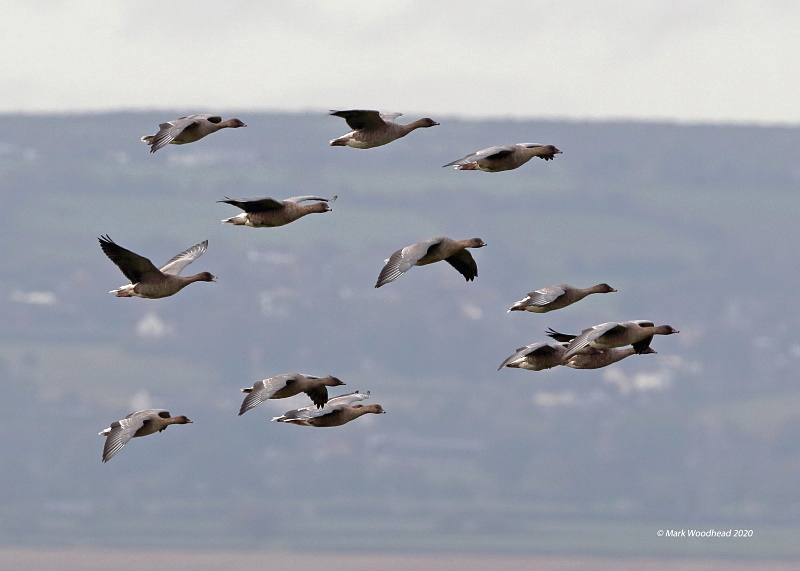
(204, 117)
(167, 132)
(348, 398)
(313, 412)
(532, 349)
(263, 390)
(176, 264)
(491, 152)
(587, 336)
(404, 259)
(304, 198)
(390, 116)
(120, 432)
(545, 295)
(642, 323)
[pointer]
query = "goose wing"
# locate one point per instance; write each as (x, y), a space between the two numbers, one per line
(263, 390)
(358, 119)
(254, 204)
(404, 259)
(120, 432)
(134, 266)
(334, 404)
(167, 132)
(176, 264)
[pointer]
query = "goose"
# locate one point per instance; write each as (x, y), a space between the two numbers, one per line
(338, 411)
(269, 213)
(555, 297)
(288, 385)
(188, 130)
(372, 128)
(536, 357)
(591, 358)
(429, 251)
(148, 281)
(141, 423)
(638, 333)
(504, 158)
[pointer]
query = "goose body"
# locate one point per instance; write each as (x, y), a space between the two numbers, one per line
(555, 297)
(338, 411)
(136, 424)
(536, 357)
(269, 213)
(188, 130)
(288, 385)
(591, 358)
(504, 158)
(373, 129)
(454, 252)
(150, 282)
(638, 333)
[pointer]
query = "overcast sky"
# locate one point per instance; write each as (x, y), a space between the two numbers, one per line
(707, 60)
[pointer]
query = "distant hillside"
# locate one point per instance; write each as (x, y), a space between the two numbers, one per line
(694, 225)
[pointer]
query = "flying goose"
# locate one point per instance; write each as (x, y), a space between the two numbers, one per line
(536, 357)
(504, 158)
(148, 281)
(373, 128)
(638, 333)
(141, 423)
(269, 213)
(338, 410)
(188, 130)
(556, 297)
(288, 385)
(454, 252)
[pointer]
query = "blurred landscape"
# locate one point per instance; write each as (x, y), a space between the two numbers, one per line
(696, 226)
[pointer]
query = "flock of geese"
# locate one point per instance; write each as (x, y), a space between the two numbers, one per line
(594, 347)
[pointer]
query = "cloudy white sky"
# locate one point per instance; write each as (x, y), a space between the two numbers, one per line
(708, 60)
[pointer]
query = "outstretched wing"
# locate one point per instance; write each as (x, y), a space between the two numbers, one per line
(334, 404)
(176, 264)
(588, 335)
(361, 118)
(134, 266)
(167, 132)
(404, 259)
(465, 264)
(254, 204)
(263, 390)
(120, 432)
(490, 153)
(304, 198)
(544, 296)
(534, 349)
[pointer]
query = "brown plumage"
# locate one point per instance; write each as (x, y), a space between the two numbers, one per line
(638, 333)
(373, 128)
(591, 358)
(556, 297)
(148, 281)
(509, 157)
(136, 424)
(188, 130)
(430, 251)
(338, 411)
(269, 213)
(288, 385)
(536, 357)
